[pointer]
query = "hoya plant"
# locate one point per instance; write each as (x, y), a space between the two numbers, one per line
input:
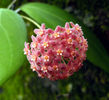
(57, 54)
(56, 51)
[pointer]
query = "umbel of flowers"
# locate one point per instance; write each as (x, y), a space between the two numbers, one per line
(57, 54)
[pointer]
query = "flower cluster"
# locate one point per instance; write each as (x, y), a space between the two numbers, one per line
(57, 54)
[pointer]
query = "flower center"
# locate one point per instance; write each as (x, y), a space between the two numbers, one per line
(33, 58)
(69, 41)
(45, 44)
(56, 35)
(59, 52)
(41, 32)
(46, 58)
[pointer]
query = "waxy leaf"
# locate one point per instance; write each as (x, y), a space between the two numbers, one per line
(53, 16)
(12, 37)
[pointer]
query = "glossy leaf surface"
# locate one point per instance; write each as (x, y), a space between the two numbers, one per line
(12, 37)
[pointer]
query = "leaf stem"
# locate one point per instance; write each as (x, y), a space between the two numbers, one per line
(11, 4)
(17, 10)
(30, 20)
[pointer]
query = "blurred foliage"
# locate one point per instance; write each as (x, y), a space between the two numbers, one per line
(4, 3)
(86, 84)
(89, 83)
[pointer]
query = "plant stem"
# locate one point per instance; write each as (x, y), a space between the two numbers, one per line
(17, 10)
(11, 4)
(30, 20)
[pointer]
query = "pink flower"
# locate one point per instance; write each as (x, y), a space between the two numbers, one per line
(57, 54)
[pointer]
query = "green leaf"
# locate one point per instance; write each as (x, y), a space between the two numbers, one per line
(4, 3)
(12, 37)
(52, 16)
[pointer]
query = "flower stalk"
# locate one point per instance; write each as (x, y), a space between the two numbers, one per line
(11, 4)
(30, 20)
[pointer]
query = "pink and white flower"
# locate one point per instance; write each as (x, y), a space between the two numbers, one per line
(57, 54)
